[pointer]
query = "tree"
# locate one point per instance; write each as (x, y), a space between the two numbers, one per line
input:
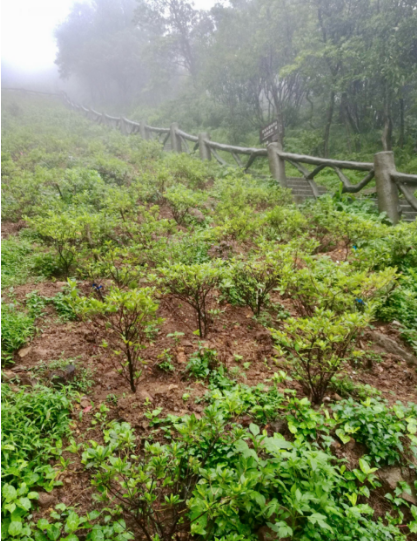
(177, 29)
(255, 41)
(100, 46)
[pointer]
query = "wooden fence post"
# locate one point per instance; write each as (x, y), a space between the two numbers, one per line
(143, 129)
(277, 164)
(204, 150)
(387, 191)
(174, 138)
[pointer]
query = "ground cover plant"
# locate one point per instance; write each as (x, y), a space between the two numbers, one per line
(188, 355)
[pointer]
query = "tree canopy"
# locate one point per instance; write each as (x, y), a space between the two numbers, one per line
(339, 75)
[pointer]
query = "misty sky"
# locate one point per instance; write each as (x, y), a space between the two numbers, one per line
(27, 27)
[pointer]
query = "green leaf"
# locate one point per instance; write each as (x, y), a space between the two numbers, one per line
(343, 436)
(93, 515)
(276, 444)
(292, 428)
(24, 503)
(42, 524)
(9, 493)
(364, 466)
(96, 535)
(119, 526)
(10, 507)
(22, 490)
(72, 522)
(282, 529)
(243, 448)
(254, 429)
(15, 528)
(317, 518)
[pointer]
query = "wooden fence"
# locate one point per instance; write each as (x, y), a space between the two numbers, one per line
(395, 191)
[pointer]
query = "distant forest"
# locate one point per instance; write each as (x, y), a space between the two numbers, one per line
(339, 75)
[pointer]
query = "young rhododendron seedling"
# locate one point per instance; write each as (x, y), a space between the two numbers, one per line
(127, 316)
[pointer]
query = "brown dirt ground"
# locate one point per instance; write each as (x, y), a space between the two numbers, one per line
(10, 228)
(234, 332)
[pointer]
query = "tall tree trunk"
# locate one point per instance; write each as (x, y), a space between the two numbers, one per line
(401, 140)
(330, 114)
(387, 126)
(279, 113)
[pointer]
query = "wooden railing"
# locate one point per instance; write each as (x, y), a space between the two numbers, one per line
(390, 184)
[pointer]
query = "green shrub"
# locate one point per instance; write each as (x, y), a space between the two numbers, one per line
(193, 284)
(401, 305)
(181, 200)
(17, 261)
(33, 427)
(62, 231)
(16, 329)
(285, 223)
(186, 169)
(319, 345)
(202, 362)
(251, 281)
(338, 287)
(128, 316)
(161, 477)
(380, 427)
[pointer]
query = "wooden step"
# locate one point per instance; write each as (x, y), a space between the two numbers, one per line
(301, 190)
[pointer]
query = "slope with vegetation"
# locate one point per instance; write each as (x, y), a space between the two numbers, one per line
(188, 355)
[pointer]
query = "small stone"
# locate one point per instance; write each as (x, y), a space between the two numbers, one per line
(23, 352)
(125, 403)
(351, 444)
(391, 476)
(143, 395)
(335, 445)
(7, 375)
(171, 387)
(279, 426)
(392, 347)
(45, 499)
(24, 379)
(181, 357)
(88, 335)
(84, 402)
(41, 353)
(64, 376)
(246, 421)
(263, 337)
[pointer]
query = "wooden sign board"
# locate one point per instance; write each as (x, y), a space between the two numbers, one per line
(270, 132)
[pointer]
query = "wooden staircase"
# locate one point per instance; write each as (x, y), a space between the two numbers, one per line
(302, 190)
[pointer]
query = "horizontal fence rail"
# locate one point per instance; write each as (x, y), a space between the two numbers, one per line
(390, 183)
